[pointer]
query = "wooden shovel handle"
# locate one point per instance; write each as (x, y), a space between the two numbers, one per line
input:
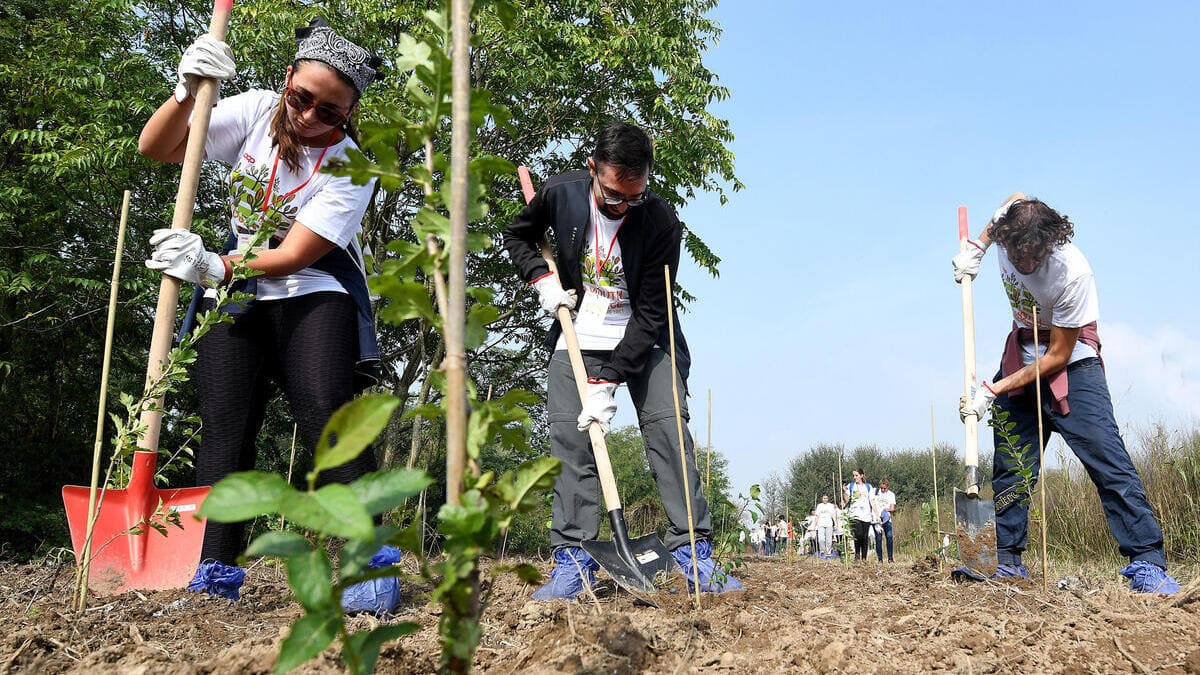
(971, 424)
(608, 484)
(185, 203)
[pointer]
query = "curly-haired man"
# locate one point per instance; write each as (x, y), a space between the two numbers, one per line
(1040, 267)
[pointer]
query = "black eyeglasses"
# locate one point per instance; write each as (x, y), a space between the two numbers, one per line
(616, 201)
(300, 101)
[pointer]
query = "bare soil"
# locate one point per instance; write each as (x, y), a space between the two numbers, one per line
(806, 616)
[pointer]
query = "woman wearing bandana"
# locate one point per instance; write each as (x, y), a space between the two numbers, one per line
(302, 330)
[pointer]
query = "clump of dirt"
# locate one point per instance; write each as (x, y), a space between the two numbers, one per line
(803, 615)
(978, 547)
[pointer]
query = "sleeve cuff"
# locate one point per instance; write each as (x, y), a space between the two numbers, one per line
(607, 374)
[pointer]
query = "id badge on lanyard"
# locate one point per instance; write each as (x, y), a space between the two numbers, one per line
(595, 305)
(244, 239)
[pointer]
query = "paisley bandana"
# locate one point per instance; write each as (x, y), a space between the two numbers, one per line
(318, 42)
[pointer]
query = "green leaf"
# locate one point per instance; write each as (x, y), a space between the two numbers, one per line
(352, 429)
(332, 511)
(366, 645)
(310, 576)
(524, 571)
(411, 53)
(281, 544)
(429, 221)
(384, 490)
(519, 489)
(245, 495)
(465, 526)
(406, 300)
(478, 319)
(309, 636)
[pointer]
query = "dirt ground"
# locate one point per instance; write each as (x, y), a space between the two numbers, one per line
(806, 616)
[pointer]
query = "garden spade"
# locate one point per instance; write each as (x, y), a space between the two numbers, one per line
(974, 518)
(124, 552)
(635, 564)
(144, 537)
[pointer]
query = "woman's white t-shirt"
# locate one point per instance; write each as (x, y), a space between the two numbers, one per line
(330, 206)
(1064, 290)
(860, 501)
(826, 513)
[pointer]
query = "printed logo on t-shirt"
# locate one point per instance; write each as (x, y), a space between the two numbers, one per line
(1020, 298)
(247, 194)
(609, 277)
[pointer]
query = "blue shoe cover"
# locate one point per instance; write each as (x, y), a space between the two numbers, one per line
(964, 573)
(377, 596)
(574, 569)
(710, 580)
(1011, 572)
(218, 579)
(1146, 577)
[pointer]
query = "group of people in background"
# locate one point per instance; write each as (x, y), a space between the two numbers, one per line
(863, 509)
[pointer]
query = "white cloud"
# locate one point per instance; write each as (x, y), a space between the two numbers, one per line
(1154, 374)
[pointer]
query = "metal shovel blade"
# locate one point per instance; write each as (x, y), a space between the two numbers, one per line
(635, 564)
(975, 529)
(127, 553)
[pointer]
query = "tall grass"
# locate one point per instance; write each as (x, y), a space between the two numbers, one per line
(1169, 464)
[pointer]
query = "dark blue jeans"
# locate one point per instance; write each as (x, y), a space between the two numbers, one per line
(887, 532)
(1090, 430)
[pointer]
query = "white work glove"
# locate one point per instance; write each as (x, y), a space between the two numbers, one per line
(600, 406)
(979, 404)
(966, 262)
(181, 254)
(207, 57)
(551, 295)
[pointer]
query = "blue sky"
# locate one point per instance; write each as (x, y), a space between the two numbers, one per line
(860, 129)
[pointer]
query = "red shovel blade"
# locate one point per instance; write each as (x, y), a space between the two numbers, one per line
(122, 560)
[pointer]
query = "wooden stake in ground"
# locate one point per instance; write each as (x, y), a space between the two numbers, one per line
(81, 579)
(933, 450)
(708, 456)
(687, 490)
(291, 465)
(1037, 384)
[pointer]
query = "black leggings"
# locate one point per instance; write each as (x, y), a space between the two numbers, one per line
(862, 528)
(306, 345)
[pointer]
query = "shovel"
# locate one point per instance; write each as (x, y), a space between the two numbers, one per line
(974, 518)
(124, 553)
(635, 564)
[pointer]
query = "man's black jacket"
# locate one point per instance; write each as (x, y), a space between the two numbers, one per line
(649, 239)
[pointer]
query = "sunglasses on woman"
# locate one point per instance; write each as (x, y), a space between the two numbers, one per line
(300, 101)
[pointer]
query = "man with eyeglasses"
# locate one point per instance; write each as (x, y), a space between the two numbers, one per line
(1041, 268)
(613, 238)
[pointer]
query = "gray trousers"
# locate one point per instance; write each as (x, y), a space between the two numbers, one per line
(577, 509)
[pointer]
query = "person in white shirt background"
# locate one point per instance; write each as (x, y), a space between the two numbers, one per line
(884, 503)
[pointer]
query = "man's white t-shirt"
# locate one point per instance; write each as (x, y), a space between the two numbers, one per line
(882, 500)
(1064, 290)
(826, 514)
(330, 206)
(605, 311)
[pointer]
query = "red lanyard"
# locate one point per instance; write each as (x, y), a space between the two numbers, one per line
(596, 224)
(275, 166)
